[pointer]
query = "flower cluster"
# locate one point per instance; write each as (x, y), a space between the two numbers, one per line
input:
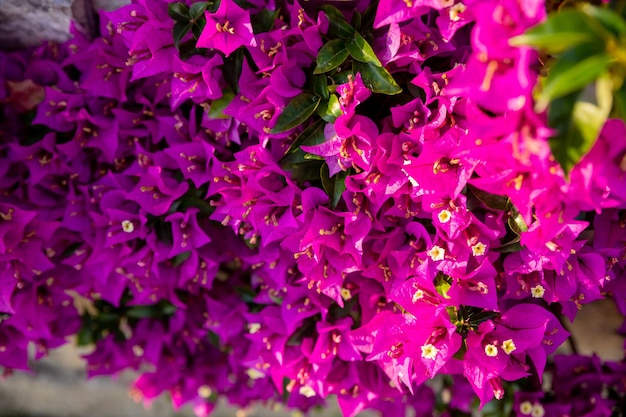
(259, 200)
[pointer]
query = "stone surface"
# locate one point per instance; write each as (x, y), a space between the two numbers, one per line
(28, 22)
(58, 387)
(25, 23)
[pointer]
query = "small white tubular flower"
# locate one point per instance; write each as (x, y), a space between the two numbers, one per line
(526, 408)
(537, 291)
(128, 226)
(491, 350)
(508, 346)
(479, 249)
(437, 253)
(444, 216)
(429, 351)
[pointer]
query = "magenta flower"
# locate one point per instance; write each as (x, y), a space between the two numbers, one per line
(227, 29)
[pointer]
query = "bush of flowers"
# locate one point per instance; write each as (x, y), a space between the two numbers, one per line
(398, 203)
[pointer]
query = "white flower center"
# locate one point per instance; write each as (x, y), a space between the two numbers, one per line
(429, 351)
(508, 346)
(456, 10)
(479, 249)
(538, 411)
(537, 291)
(437, 253)
(128, 226)
(526, 408)
(444, 216)
(419, 294)
(491, 350)
(307, 391)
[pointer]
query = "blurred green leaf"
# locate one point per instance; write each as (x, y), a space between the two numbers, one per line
(611, 20)
(330, 56)
(619, 105)
(180, 259)
(560, 31)
(578, 119)
(567, 77)
(299, 109)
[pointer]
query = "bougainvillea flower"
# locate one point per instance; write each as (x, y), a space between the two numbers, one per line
(227, 29)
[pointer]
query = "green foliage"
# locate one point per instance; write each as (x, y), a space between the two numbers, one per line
(585, 48)
(299, 109)
(330, 56)
(334, 186)
(377, 79)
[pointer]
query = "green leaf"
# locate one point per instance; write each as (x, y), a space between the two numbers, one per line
(578, 119)
(142, 312)
(85, 337)
(232, 69)
(559, 32)
(367, 20)
(333, 186)
(244, 4)
(510, 247)
(198, 27)
(337, 24)
(356, 20)
(312, 135)
(516, 222)
(330, 56)
(565, 78)
(377, 79)
(187, 49)
(214, 5)
(493, 201)
(197, 10)
(359, 49)
(443, 284)
(342, 77)
(320, 86)
(216, 109)
(180, 258)
(263, 21)
(299, 109)
(180, 30)
(619, 105)
(611, 21)
(330, 110)
(179, 12)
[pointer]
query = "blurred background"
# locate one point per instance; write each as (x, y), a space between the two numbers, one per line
(58, 387)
